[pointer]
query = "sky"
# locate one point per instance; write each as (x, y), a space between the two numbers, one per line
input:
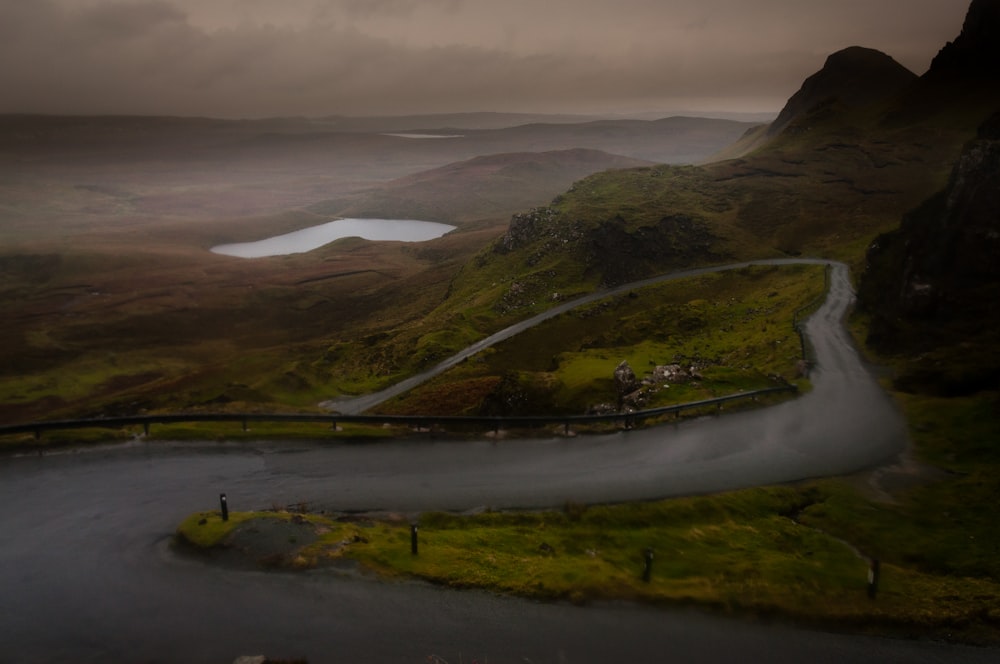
(265, 58)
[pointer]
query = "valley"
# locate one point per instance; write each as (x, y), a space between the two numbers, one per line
(116, 305)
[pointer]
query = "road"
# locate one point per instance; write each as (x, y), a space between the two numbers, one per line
(87, 574)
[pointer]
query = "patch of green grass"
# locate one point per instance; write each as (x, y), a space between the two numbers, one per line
(739, 552)
(205, 530)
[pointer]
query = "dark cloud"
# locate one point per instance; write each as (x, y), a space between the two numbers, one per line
(242, 58)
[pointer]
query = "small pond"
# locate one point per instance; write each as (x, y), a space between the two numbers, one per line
(307, 239)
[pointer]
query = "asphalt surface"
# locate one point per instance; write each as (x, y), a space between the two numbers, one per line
(87, 573)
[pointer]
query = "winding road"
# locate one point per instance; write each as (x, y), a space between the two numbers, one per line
(87, 574)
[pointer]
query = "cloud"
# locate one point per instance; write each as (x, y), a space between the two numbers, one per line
(126, 18)
(243, 58)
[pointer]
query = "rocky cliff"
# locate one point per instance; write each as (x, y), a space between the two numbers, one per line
(932, 287)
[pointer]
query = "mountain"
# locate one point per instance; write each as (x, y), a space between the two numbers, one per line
(854, 77)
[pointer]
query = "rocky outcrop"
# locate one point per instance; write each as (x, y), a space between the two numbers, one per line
(525, 228)
(853, 77)
(933, 283)
(626, 384)
(624, 254)
(634, 394)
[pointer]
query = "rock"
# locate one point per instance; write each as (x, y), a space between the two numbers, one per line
(625, 380)
(524, 228)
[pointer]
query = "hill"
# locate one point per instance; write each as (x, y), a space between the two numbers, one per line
(488, 187)
(854, 77)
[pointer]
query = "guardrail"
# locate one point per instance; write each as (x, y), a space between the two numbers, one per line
(423, 421)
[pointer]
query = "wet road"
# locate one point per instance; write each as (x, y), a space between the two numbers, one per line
(86, 573)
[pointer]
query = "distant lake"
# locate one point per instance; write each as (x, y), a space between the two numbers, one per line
(307, 239)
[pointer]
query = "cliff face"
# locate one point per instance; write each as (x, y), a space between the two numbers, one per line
(933, 286)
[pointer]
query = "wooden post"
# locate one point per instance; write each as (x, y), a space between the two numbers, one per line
(225, 507)
(873, 575)
(413, 539)
(647, 572)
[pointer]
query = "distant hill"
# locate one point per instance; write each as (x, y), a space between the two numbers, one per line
(674, 140)
(488, 187)
(435, 121)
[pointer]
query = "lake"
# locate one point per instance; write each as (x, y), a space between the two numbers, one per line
(307, 239)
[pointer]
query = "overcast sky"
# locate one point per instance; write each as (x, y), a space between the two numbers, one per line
(255, 58)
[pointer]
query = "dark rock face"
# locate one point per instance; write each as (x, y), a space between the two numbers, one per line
(976, 51)
(624, 255)
(525, 228)
(855, 76)
(934, 282)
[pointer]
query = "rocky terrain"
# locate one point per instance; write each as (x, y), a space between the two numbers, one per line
(932, 286)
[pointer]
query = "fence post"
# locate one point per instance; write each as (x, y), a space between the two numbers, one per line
(225, 507)
(873, 575)
(413, 539)
(647, 571)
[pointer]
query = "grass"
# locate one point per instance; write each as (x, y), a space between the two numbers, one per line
(747, 552)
